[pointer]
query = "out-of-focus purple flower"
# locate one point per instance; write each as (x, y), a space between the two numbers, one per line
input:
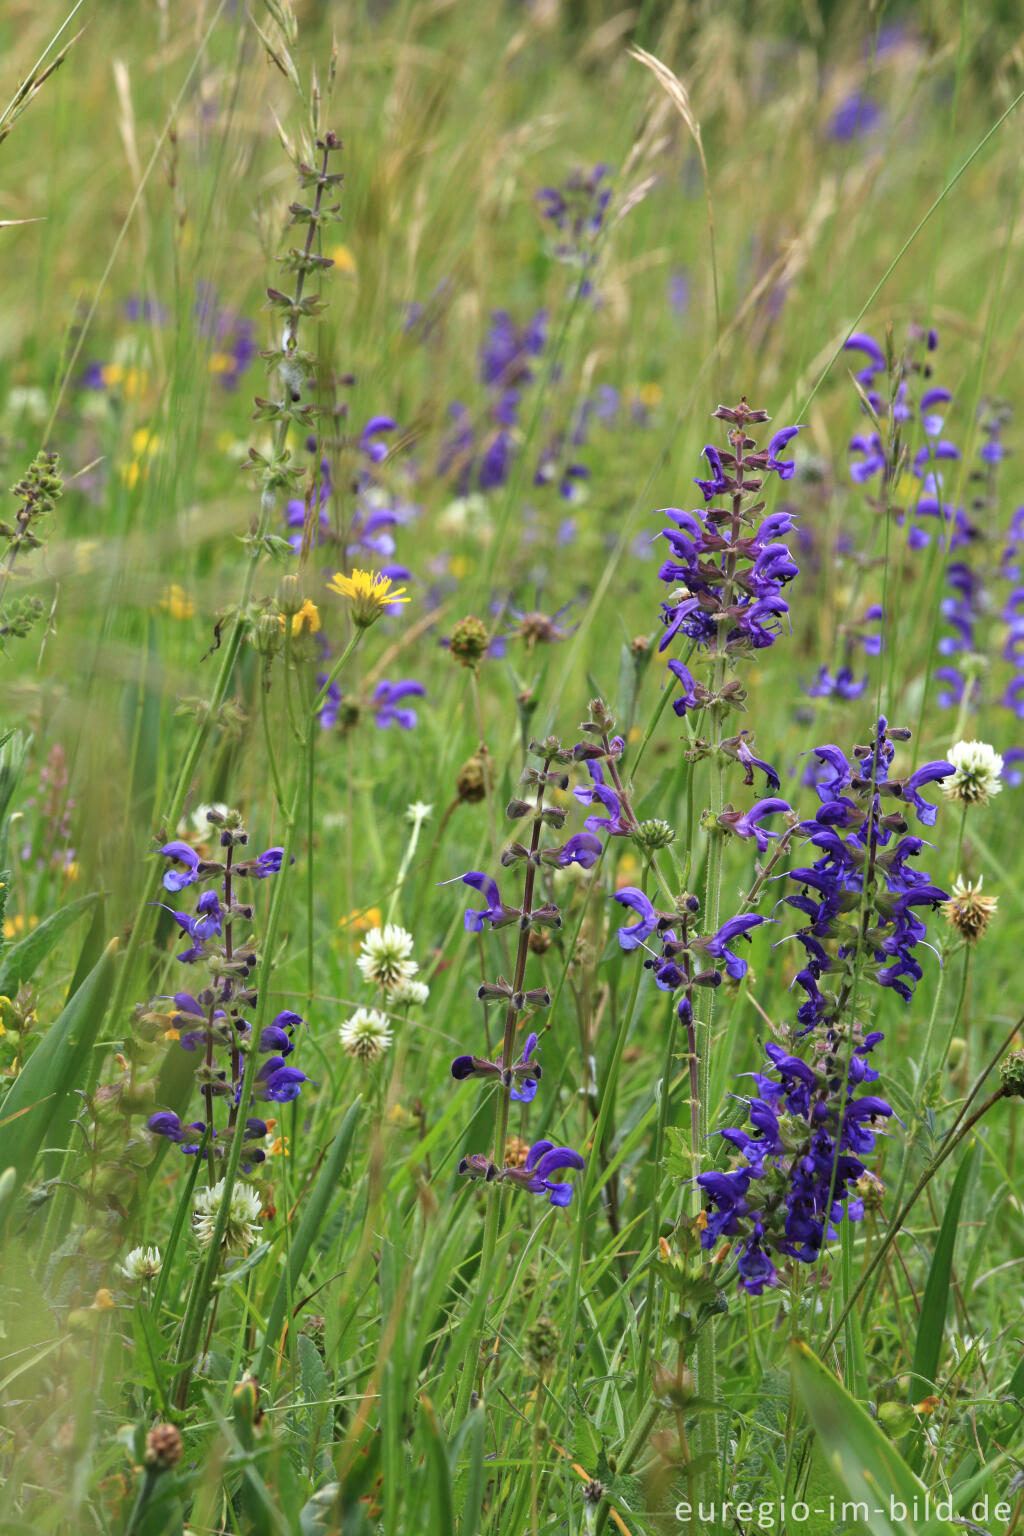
(854, 118)
(842, 686)
(386, 703)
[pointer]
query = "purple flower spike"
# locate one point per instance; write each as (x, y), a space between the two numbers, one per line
(783, 467)
(279, 1083)
(718, 483)
(717, 944)
(268, 863)
(181, 853)
(584, 849)
(926, 813)
(632, 936)
(543, 1159)
(495, 912)
(166, 1123)
(745, 823)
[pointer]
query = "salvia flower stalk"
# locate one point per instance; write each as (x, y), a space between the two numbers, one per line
(213, 1020)
(813, 1117)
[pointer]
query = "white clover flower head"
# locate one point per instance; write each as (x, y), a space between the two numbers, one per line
(385, 956)
(977, 777)
(366, 1035)
(241, 1229)
(409, 993)
(142, 1264)
(198, 819)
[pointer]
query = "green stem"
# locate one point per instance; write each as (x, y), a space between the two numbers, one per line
(665, 1094)
(950, 1144)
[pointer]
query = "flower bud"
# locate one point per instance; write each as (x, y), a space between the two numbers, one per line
(468, 642)
(1011, 1072)
(654, 834)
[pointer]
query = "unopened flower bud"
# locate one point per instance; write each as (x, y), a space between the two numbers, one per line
(1011, 1071)
(468, 642)
(653, 834)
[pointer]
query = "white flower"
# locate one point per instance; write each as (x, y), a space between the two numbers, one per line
(418, 813)
(241, 1230)
(384, 956)
(198, 823)
(367, 1034)
(976, 779)
(142, 1264)
(409, 993)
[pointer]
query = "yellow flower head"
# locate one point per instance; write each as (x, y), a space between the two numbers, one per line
(177, 603)
(369, 593)
(305, 621)
(344, 260)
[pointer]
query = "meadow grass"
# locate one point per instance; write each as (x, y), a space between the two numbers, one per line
(398, 1348)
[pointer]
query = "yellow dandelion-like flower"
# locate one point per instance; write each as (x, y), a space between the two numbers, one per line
(306, 621)
(177, 602)
(369, 593)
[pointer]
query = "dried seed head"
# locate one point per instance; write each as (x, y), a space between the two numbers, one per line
(163, 1447)
(967, 910)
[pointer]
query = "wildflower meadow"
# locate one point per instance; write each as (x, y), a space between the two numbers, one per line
(511, 767)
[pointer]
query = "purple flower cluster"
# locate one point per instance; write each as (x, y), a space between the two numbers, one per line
(861, 893)
(369, 537)
(812, 1123)
(577, 211)
(803, 1160)
(518, 1078)
(212, 1020)
(729, 583)
(900, 411)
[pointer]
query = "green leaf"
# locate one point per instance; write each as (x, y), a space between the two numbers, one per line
(23, 960)
(471, 1434)
(245, 1267)
(56, 1067)
(438, 1474)
(313, 1216)
(932, 1322)
(858, 1453)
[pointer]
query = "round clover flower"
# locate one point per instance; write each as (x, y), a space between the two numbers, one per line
(977, 778)
(369, 594)
(366, 1035)
(142, 1264)
(241, 1229)
(385, 956)
(967, 910)
(409, 993)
